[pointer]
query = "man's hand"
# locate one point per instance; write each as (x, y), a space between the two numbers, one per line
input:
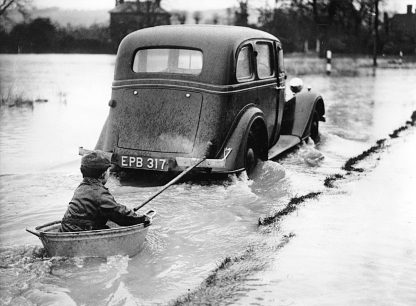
(147, 220)
(148, 217)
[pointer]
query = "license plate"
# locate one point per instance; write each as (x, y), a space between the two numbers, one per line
(145, 163)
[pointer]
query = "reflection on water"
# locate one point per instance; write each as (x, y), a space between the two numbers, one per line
(198, 224)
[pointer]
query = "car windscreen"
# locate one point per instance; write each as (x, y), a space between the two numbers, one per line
(168, 60)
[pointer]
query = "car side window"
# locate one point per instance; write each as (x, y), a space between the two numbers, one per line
(281, 65)
(244, 70)
(264, 60)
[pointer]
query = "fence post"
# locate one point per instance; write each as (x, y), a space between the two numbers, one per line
(328, 62)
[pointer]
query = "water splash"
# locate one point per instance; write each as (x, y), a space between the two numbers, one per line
(310, 154)
(27, 272)
(121, 296)
(33, 278)
(306, 154)
(270, 176)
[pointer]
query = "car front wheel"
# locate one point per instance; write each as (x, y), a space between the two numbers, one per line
(315, 127)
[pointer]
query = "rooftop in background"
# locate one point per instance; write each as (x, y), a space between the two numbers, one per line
(396, 6)
(405, 23)
(128, 16)
(136, 6)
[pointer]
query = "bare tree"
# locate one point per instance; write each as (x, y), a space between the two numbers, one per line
(22, 6)
(197, 17)
(215, 19)
(17, 7)
(241, 15)
(229, 17)
(179, 17)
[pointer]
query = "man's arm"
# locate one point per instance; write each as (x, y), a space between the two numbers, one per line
(118, 213)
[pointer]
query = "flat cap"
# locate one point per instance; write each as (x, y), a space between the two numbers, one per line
(95, 160)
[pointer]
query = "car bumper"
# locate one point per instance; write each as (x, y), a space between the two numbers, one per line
(176, 163)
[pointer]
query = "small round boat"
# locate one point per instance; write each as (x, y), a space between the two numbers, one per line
(117, 240)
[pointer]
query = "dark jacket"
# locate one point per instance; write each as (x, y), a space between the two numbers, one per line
(92, 206)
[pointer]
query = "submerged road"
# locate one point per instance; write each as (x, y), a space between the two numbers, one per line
(353, 245)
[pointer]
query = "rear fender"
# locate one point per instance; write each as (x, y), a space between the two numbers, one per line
(108, 137)
(251, 117)
(298, 113)
(103, 136)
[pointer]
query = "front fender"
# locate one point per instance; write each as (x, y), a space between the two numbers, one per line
(238, 137)
(298, 113)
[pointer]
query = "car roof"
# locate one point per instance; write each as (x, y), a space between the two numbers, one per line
(217, 34)
(217, 42)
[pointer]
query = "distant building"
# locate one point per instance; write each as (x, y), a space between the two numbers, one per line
(129, 16)
(404, 24)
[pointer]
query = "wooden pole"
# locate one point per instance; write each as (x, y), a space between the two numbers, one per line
(375, 44)
(328, 62)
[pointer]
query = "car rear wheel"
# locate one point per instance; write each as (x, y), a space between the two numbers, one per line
(251, 157)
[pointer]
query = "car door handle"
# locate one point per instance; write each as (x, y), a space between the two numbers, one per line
(279, 87)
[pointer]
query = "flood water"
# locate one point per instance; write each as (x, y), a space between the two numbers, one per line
(198, 224)
(356, 245)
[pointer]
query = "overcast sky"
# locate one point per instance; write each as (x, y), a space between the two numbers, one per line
(191, 5)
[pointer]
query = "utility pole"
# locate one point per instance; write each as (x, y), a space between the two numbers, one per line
(375, 44)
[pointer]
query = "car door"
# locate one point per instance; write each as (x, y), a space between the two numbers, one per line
(267, 94)
(280, 89)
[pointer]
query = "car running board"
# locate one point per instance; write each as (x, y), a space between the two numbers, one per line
(285, 143)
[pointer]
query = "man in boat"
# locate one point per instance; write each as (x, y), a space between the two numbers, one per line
(92, 204)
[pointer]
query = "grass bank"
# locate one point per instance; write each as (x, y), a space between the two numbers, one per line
(18, 99)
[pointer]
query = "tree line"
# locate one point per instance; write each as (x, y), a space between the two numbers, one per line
(42, 36)
(344, 26)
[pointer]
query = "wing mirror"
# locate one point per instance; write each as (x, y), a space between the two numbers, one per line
(296, 85)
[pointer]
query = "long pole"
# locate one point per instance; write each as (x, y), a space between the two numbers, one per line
(169, 184)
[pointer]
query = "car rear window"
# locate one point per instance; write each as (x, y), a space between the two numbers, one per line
(168, 60)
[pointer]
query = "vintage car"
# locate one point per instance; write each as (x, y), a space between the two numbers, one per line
(182, 93)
